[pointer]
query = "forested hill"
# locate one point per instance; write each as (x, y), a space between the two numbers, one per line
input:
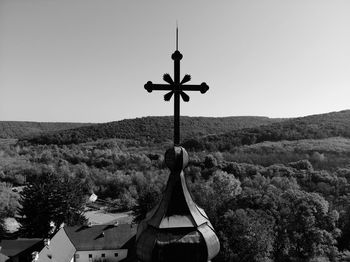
(152, 128)
(20, 129)
(310, 127)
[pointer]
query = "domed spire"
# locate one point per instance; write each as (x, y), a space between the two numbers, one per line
(176, 229)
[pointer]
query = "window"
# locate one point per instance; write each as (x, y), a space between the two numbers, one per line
(90, 257)
(115, 254)
(103, 255)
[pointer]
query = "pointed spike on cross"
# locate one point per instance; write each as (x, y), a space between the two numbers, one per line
(167, 78)
(185, 97)
(186, 79)
(168, 96)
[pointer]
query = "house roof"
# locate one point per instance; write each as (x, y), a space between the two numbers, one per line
(60, 249)
(14, 247)
(100, 237)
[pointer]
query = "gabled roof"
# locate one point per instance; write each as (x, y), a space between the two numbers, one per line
(60, 249)
(100, 237)
(14, 247)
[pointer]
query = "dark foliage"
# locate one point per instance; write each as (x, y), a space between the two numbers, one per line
(47, 202)
(310, 127)
(2, 227)
(22, 129)
(156, 129)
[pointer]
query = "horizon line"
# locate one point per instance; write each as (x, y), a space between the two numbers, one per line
(136, 117)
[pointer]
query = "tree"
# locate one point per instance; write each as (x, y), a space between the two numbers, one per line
(49, 201)
(8, 205)
(214, 194)
(210, 161)
(8, 200)
(306, 228)
(149, 186)
(247, 236)
(149, 196)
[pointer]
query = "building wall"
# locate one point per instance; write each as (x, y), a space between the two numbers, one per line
(83, 256)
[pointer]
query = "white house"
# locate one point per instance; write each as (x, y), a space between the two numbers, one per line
(96, 243)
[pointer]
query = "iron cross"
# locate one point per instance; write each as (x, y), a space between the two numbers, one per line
(176, 88)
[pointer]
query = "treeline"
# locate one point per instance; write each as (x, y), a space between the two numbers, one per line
(157, 129)
(96, 163)
(22, 129)
(212, 134)
(328, 154)
(311, 127)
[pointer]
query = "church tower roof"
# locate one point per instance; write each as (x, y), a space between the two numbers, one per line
(176, 229)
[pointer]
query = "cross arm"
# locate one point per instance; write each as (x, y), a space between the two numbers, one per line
(149, 86)
(203, 87)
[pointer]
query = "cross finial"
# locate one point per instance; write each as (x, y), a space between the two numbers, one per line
(176, 88)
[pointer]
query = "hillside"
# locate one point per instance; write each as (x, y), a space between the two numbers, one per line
(335, 124)
(328, 153)
(20, 129)
(152, 129)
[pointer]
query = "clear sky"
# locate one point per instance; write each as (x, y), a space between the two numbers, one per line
(87, 60)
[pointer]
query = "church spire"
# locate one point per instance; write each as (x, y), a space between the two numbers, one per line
(177, 37)
(176, 229)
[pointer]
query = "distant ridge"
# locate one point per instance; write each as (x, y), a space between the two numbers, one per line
(156, 129)
(212, 133)
(21, 129)
(334, 124)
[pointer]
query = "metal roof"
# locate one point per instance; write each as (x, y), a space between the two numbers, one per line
(176, 229)
(100, 237)
(13, 247)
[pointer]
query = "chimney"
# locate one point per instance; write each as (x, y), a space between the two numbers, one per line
(47, 242)
(35, 256)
